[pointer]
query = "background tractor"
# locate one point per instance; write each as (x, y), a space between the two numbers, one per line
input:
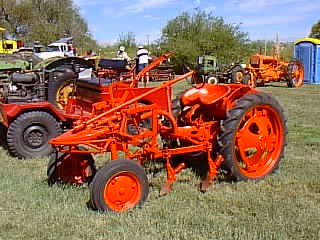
(39, 104)
(229, 127)
(30, 113)
(265, 69)
(213, 73)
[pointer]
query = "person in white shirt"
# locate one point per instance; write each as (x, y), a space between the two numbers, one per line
(143, 58)
(122, 54)
(142, 61)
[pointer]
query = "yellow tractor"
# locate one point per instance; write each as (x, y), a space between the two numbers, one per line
(8, 46)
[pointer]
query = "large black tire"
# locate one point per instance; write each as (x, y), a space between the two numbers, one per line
(237, 74)
(65, 168)
(295, 74)
(248, 81)
(28, 134)
(118, 186)
(253, 137)
(60, 87)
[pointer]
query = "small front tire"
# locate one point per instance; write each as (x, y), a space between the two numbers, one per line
(118, 186)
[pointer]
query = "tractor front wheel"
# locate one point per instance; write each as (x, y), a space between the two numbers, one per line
(249, 80)
(118, 186)
(295, 74)
(253, 137)
(212, 79)
(237, 74)
(70, 168)
(28, 134)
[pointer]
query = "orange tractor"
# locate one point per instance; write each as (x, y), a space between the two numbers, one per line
(233, 128)
(265, 69)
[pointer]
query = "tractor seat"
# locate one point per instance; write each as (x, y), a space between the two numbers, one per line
(206, 95)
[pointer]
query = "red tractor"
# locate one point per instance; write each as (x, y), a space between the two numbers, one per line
(40, 104)
(231, 127)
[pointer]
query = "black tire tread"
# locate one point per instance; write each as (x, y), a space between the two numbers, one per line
(13, 139)
(107, 171)
(52, 176)
(229, 126)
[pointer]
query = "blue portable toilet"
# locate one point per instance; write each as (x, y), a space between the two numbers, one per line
(307, 50)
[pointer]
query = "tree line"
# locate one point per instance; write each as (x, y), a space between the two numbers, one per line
(45, 21)
(188, 35)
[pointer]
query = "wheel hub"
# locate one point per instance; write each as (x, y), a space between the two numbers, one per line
(35, 136)
(122, 192)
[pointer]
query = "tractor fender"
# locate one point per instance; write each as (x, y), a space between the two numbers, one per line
(9, 112)
(238, 91)
(217, 99)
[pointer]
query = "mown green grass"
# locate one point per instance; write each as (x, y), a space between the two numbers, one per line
(282, 206)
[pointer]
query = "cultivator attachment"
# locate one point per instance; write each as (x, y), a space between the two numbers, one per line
(194, 135)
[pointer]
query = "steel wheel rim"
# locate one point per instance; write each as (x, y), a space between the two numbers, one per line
(122, 191)
(35, 136)
(63, 93)
(297, 75)
(258, 136)
(239, 77)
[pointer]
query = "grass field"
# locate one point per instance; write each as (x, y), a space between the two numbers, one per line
(285, 205)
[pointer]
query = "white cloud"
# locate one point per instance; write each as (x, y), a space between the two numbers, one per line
(256, 21)
(148, 37)
(292, 19)
(86, 3)
(210, 9)
(150, 17)
(265, 5)
(141, 5)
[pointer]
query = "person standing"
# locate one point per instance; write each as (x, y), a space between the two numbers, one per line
(122, 54)
(142, 62)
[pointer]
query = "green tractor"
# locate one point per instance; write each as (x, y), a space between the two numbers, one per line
(213, 73)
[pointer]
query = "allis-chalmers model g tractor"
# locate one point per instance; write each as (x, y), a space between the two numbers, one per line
(265, 69)
(231, 127)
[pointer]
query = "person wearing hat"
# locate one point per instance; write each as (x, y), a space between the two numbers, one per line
(122, 54)
(142, 61)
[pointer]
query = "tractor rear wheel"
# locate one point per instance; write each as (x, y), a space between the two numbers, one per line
(249, 80)
(28, 134)
(61, 88)
(118, 186)
(295, 74)
(212, 79)
(237, 74)
(253, 137)
(67, 168)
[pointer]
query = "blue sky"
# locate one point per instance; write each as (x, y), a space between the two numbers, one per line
(262, 19)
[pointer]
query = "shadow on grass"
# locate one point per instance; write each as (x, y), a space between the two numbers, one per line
(196, 162)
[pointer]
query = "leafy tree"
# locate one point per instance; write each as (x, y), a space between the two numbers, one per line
(268, 48)
(191, 35)
(46, 21)
(128, 40)
(315, 30)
